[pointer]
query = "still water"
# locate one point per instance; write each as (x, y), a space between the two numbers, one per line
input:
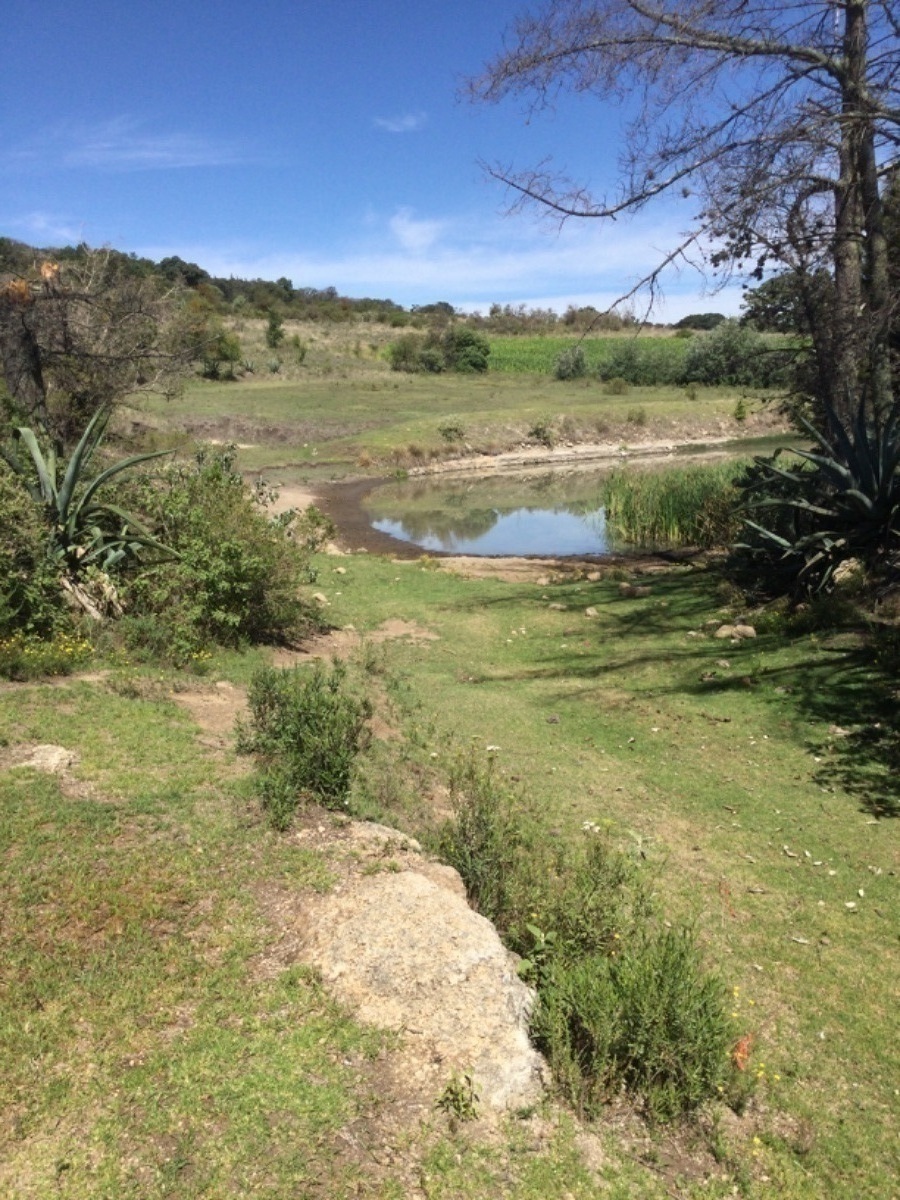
(554, 513)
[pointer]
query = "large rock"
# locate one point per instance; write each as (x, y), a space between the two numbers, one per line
(404, 951)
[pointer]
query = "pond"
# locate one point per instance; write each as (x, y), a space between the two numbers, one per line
(552, 513)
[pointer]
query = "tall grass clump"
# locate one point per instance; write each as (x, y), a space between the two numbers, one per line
(678, 506)
(624, 1003)
(306, 729)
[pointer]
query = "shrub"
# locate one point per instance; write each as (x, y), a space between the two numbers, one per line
(571, 363)
(238, 572)
(24, 656)
(404, 354)
(644, 362)
(622, 1003)
(736, 355)
(484, 842)
(306, 729)
(465, 350)
(648, 1019)
(452, 431)
(274, 330)
(30, 596)
(457, 349)
(543, 431)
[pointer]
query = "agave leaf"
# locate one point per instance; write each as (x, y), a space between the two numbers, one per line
(47, 482)
(104, 477)
(79, 460)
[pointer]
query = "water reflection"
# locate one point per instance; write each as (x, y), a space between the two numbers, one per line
(555, 513)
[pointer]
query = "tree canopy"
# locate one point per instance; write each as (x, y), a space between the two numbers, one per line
(780, 122)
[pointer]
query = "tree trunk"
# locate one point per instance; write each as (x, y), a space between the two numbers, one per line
(20, 357)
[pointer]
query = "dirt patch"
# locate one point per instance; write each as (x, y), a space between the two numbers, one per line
(215, 710)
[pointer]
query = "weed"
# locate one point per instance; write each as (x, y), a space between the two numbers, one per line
(306, 729)
(617, 386)
(452, 431)
(622, 1004)
(648, 1018)
(459, 1099)
(543, 431)
(24, 656)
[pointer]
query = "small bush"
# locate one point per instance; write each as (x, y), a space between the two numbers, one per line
(543, 431)
(484, 842)
(452, 431)
(571, 364)
(30, 595)
(623, 1005)
(617, 386)
(237, 576)
(738, 356)
(648, 1019)
(306, 729)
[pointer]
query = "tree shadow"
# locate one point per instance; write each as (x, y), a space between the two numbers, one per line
(841, 684)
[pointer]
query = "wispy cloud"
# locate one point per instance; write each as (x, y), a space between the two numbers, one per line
(47, 229)
(414, 235)
(405, 123)
(122, 144)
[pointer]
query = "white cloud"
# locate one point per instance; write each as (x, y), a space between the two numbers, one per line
(47, 229)
(405, 123)
(472, 262)
(122, 144)
(415, 236)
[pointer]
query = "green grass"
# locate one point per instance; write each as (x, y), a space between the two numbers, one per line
(372, 419)
(538, 355)
(151, 1045)
(720, 763)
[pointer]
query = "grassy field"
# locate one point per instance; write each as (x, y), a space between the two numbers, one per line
(341, 412)
(538, 355)
(146, 1053)
(746, 772)
(152, 1046)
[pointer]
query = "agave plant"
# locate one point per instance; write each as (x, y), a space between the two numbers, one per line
(840, 502)
(86, 531)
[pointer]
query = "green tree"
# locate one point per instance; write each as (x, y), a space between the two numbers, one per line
(274, 330)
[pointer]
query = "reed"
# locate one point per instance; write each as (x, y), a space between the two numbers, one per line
(679, 506)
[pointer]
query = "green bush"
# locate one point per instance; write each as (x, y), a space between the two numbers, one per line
(465, 350)
(624, 1004)
(306, 729)
(24, 656)
(648, 1019)
(644, 362)
(736, 355)
(238, 573)
(30, 595)
(456, 349)
(571, 364)
(484, 842)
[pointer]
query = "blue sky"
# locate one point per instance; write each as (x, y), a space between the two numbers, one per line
(322, 140)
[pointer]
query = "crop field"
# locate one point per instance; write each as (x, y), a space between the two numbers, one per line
(538, 355)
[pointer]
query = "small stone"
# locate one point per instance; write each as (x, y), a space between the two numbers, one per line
(590, 612)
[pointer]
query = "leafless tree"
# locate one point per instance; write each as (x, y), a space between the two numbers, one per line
(81, 335)
(780, 119)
